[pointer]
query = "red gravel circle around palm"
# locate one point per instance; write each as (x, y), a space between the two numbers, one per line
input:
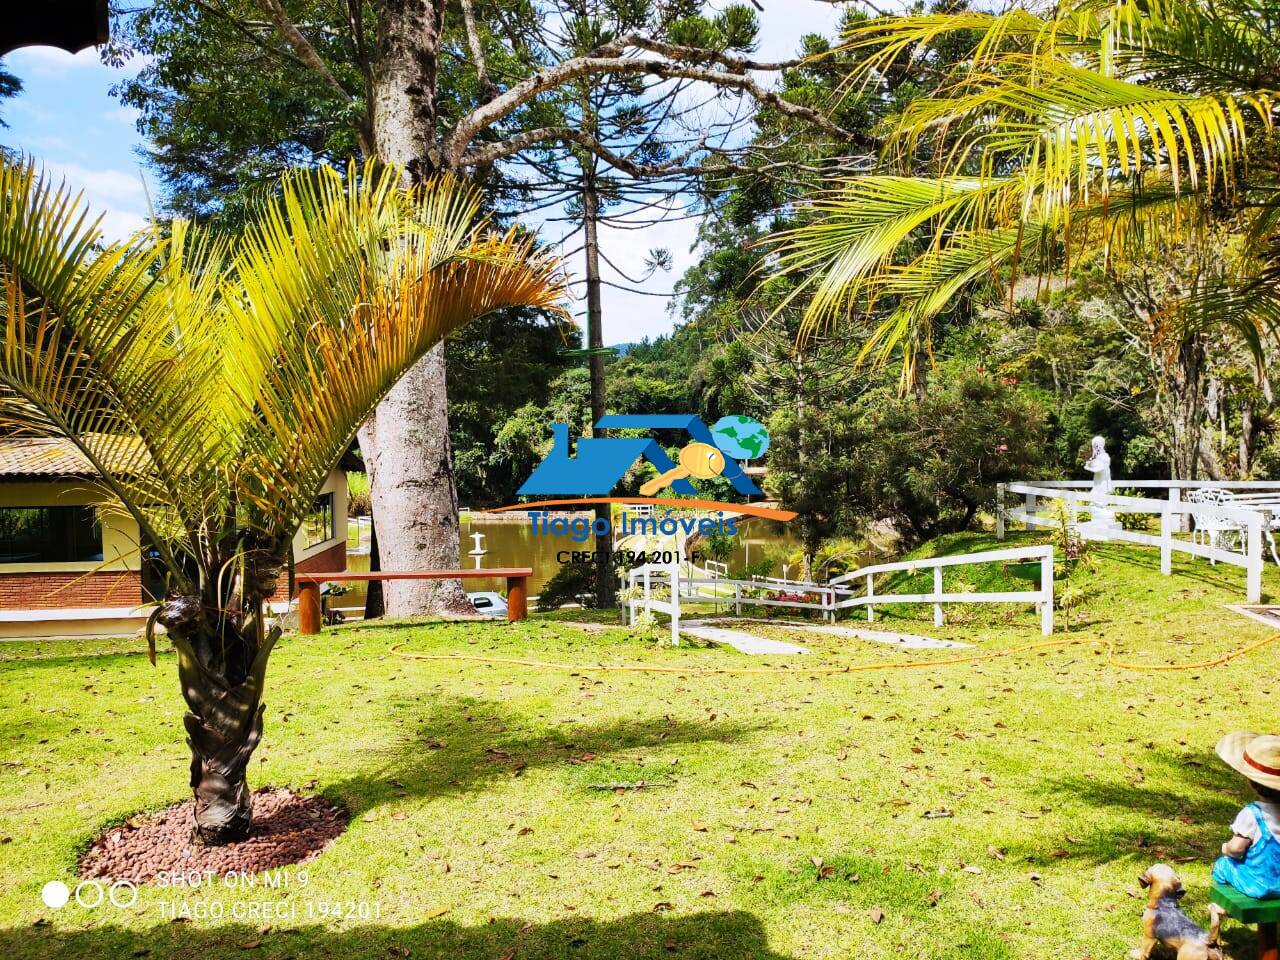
(287, 829)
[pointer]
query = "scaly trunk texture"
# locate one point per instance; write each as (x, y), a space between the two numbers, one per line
(222, 664)
(605, 576)
(406, 442)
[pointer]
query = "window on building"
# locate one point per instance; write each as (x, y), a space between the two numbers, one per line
(318, 526)
(49, 534)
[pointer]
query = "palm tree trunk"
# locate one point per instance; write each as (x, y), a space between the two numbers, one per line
(222, 664)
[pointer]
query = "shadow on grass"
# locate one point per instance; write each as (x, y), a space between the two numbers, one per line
(1188, 803)
(463, 745)
(641, 936)
(1223, 575)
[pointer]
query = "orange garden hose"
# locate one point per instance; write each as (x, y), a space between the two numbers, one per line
(1106, 645)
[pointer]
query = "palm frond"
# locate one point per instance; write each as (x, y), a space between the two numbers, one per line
(214, 385)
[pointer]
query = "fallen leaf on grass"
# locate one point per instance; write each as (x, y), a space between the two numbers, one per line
(875, 914)
(435, 912)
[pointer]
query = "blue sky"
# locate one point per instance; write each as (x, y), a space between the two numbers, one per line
(67, 119)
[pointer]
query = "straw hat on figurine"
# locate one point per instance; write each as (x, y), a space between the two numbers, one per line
(1257, 757)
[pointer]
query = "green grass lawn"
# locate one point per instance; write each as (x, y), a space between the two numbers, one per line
(996, 810)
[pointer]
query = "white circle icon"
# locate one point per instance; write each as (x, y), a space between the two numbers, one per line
(118, 892)
(94, 887)
(55, 894)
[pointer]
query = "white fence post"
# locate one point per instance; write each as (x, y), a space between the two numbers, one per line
(871, 592)
(1046, 594)
(737, 599)
(1184, 520)
(937, 592)
(1166, 536)
(1029, 508)
(1253, 582)
(999, 511)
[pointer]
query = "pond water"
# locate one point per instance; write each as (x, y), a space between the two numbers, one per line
(514, 544)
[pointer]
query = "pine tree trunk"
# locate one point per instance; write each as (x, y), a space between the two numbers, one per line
(1186, 408)
(605, 585)
(415, 503)
(406, 443)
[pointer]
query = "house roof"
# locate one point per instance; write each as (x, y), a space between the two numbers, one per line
(23, 457)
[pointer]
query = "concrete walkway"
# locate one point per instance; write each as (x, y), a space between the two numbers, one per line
(738, 639)
(908, 641)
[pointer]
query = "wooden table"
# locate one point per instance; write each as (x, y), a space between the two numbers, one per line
(1265, 913)
(309, 588)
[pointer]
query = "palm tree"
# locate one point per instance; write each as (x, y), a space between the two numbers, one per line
(213, 384)
(1059, 135)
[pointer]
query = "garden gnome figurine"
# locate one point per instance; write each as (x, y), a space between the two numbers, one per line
(1250, 860)
(1099, 463)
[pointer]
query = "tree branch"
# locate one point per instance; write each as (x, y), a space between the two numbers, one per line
(301, 46)
(477, 49)
(609, 60)
(492, 152)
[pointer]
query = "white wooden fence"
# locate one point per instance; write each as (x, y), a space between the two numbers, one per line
(1173, 512)
(1042, 597)
(840, 593)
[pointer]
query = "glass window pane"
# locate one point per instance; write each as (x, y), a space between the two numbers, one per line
(318, 525)
(49, 535)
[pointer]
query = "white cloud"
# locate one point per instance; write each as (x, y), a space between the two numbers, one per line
(37, 63)
(126, 115)
(784, 22)
(51, 62)
(117, 195)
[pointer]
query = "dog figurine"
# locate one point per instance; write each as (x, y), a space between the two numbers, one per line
(1163, 921)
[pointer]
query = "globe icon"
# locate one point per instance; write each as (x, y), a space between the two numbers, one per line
(741, 437)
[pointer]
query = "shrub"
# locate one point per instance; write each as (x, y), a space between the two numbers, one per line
(931, 463)
(572, 583)
(359, 497)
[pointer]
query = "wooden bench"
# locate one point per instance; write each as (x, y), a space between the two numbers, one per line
(1265, 913)
(309, 588)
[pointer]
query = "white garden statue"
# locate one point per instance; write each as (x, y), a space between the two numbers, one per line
(1099, 463)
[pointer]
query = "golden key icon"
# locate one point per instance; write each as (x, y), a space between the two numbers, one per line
(699, 460)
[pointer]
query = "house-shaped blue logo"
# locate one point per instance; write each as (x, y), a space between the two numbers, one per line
(599, 463)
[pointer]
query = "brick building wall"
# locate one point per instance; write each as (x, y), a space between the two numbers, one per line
(330, 560)
(117, 588)
(53, 591)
